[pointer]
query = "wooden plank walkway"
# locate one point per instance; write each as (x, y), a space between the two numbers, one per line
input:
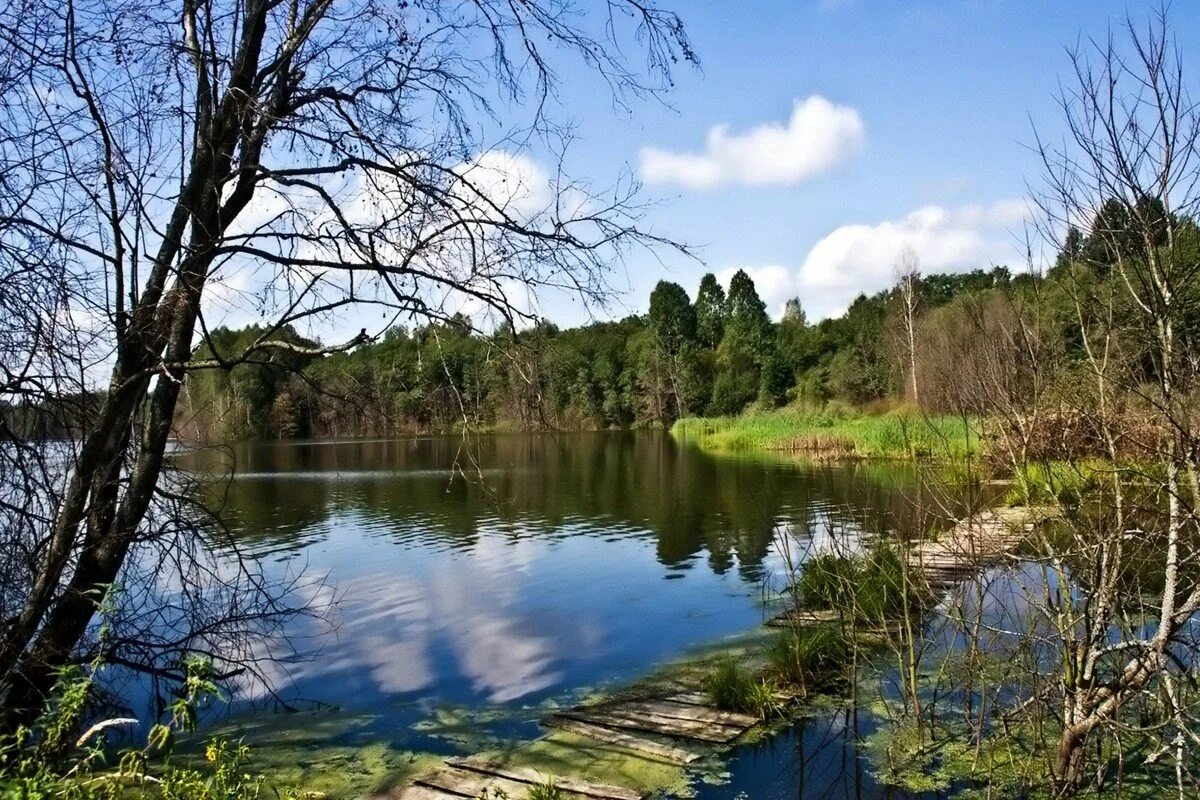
(647, 748)
(472, 778)
(678, 725)
(685, 718)
(675, 726)
(956, 556)
(803, 617)
(973, 544)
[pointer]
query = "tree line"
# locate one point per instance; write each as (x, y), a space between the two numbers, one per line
(717, 354)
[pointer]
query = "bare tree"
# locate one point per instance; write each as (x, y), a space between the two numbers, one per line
(162, 160)
(1129, 169)
(907, 274)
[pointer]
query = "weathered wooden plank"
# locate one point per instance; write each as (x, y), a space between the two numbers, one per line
(415, 792)
(804, 616)
(703, 730)
(694, 712)
(689, 698)
(644, 747)
(651, 723)
(464, 783)
(568, 784)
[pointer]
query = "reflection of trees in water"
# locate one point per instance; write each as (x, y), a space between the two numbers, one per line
(732, 509)
(819, 757)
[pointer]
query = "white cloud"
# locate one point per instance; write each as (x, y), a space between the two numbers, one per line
(818, 136)
(859, 258)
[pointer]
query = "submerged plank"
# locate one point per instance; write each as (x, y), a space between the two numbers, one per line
(464, 783)
(528, 775)
(794, 617)
(651, 723)
(644, 747)
(691, 711)
(689, 698)
(419, 793)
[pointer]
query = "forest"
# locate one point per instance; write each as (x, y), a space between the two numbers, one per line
(718, 354)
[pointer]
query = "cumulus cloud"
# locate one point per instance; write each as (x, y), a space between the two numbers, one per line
(859, 258)
(818, 136)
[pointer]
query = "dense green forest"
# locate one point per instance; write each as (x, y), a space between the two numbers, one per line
(717, 354)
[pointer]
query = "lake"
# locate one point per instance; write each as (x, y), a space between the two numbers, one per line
(489, 579)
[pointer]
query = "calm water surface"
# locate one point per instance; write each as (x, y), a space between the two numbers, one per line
(495, 578)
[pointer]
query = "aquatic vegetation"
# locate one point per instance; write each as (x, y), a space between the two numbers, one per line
(1057, 481)
(835, 431)
(728, 686)
(809, 657)
(46, 760)
(566, 753)
(826, 581)
(544, 791)
(873, 588)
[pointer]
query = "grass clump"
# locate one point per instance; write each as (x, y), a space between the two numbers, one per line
(1039, 482)
(810, 657)
(835, 431)
(873, 588)
(826, 581)
(729, 687)
(544, 791)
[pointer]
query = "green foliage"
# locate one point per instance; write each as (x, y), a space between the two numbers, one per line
(50, 759)
(826, 581)
(874, 588)
(544, 791)
(719, 356)
(730, 687)
(710, 312)
(810, 657)
(1038, 482)
(831, 430)
(672, 318)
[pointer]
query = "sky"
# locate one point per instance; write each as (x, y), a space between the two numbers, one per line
(821, 137)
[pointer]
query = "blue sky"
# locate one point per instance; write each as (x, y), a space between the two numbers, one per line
(924, 141)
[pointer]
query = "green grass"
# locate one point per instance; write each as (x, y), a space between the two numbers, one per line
(730, 687)
(1066, 482)
(544, 791)
(835, 432)
(809, 657)
(874, 588)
